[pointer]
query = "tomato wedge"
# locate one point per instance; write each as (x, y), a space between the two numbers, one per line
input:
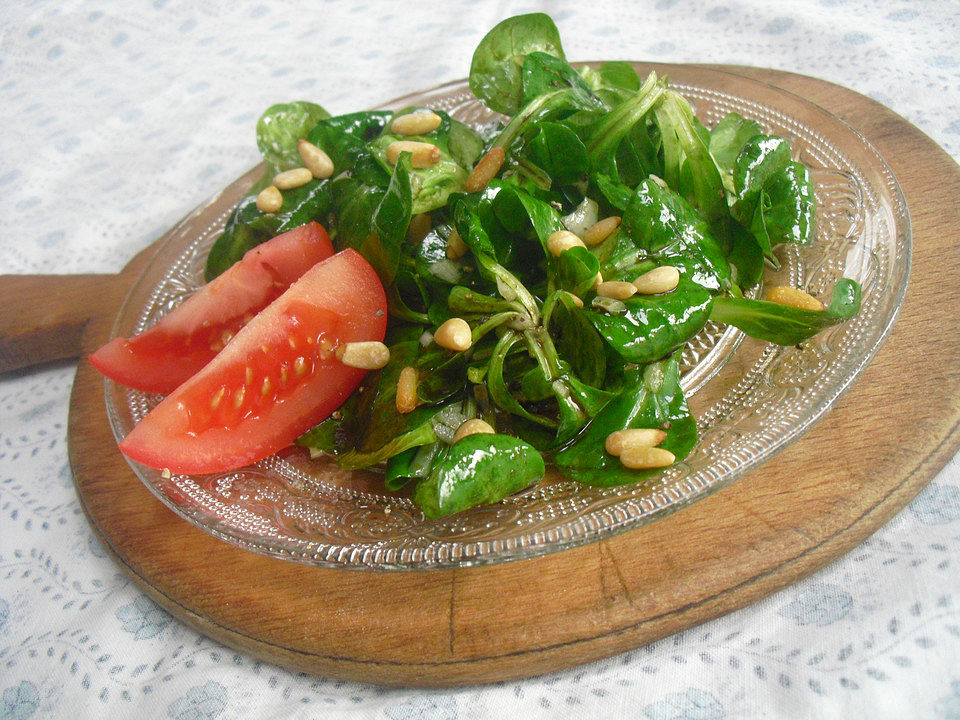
(275, 380)
(166, 355)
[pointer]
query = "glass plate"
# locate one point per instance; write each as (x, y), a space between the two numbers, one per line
(751, 399)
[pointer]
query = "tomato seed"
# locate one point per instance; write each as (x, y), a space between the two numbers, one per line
(218, 396)
(239, 395)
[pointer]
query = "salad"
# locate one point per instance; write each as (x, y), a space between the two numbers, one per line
(463, 305)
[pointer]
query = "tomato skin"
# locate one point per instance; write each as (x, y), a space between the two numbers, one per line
(275, 380)
(164, 356)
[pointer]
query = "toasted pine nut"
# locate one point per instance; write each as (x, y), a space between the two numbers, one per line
(315, 159)
(601, 230)
(793, 297)
(485, 170)
(269, 199)
(419, 226)
(576, 301)
(659, 181)
(454, 334)
(473, 427)
(561, 241)
(456, 247)
(644, 457)
(370, 355)
(597, 281)
(662, 279)
(616, 289)
(422, 155)
(407, 390)
(415, 123)
(290, 179)
(618, 440)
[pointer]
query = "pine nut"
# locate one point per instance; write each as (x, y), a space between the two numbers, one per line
(420, 226)
(663, 279)
(415, 123)
(793, 297)
(290, 179)
(618, 440)
(315, 160)
(407, 390)
(561, 241)
(576, 301)
(454, 334)
(456, 247)
(485, 170)
(597, 281)
(644, 457)
(422, 155)
(600, 231)
(617, 289)
(269, 200)
(370, 355)
(473, 427)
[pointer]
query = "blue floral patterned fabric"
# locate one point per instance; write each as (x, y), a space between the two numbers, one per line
(114, 122)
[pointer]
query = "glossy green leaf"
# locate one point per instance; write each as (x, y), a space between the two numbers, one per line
(281, 127)
(543, 73)
(476, 470)
(666, 226)
(344, 138)
(786, 208)
(784, 325)
(374, 220)
(651, 326)
(688, 165)
(728, 138)
(577, 341)
(431, 185)
(248, 226)
(559, 152)
(495, 71)
(411, 464)
(380, 431)
(652, 399)
(576, 270)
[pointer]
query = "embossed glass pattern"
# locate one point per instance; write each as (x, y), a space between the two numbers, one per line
(751, 399)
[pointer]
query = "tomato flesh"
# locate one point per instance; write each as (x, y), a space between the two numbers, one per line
(167, 354)
(275, 380)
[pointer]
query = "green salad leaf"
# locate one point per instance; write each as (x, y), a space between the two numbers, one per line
(556, 360)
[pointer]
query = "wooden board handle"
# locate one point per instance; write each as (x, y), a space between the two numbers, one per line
(42, 317)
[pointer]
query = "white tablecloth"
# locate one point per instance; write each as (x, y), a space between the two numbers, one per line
(116, 119)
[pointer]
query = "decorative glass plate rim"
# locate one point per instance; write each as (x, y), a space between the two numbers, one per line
(357, 557)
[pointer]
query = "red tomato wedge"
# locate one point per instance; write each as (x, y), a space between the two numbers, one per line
(172, 351)
(275, 380)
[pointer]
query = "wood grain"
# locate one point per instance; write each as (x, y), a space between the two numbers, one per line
(887, 437)
(42, 317)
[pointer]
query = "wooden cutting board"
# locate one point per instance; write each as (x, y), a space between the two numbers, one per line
(885, 439)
